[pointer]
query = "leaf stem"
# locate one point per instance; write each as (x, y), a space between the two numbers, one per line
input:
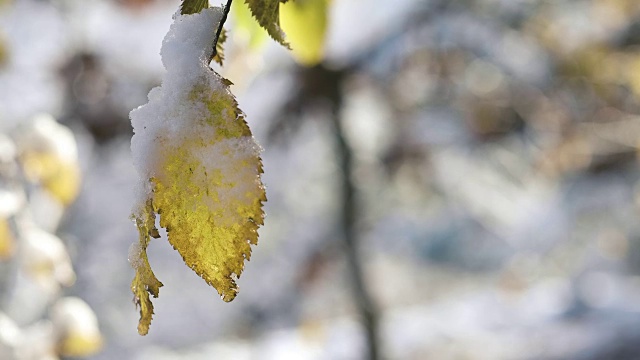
(225, 12)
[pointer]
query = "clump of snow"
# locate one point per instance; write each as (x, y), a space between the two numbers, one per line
(185, 54)
(173, 117)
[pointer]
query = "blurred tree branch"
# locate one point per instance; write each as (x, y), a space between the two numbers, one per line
(348, 219)
(322, 86)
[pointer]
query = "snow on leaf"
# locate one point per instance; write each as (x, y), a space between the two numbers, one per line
(76, 326)
(195, 6)
(49, 157)
(199, 167)
(267, 12)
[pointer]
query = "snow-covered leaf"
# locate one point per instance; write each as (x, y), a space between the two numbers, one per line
(199, 167)
(49, 157)
(76, 328)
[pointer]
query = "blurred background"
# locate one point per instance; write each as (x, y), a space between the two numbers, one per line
(457, 179)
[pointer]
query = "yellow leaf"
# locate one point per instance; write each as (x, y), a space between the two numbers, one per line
(305, 23)
(65, 184)
(60, 178)
(200, 168)
(7, 242)
(4, 50)
(145, 281)
(49, 157)
(268, 16)
(76, 327)
(81, 344)
(212, 213)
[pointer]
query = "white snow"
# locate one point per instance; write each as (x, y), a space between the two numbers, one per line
(185, 52)
(135, 255)
(43, 134)
(171, 119)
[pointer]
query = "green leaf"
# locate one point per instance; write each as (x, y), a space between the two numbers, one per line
(267, 12)
(219, 57)
(246, 27)
(193, 6)
(305, 22)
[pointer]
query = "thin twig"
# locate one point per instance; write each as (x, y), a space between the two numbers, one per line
(225, 12)
(363, 299)
(348, 219)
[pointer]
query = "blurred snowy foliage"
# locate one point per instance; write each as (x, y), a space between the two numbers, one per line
(39, 177)
(496, 165)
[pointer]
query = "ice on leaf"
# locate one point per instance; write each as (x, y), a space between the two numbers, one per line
(199, 167)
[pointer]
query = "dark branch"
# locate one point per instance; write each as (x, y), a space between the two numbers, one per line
(225, 13)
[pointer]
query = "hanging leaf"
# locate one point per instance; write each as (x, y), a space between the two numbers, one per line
(193, 6)
(199, 167)
(145, 281)
(246, 26)
(7, 241)
(219, 56)
(49, 157)
(4, 50)
(267, 12)
(305, 22)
